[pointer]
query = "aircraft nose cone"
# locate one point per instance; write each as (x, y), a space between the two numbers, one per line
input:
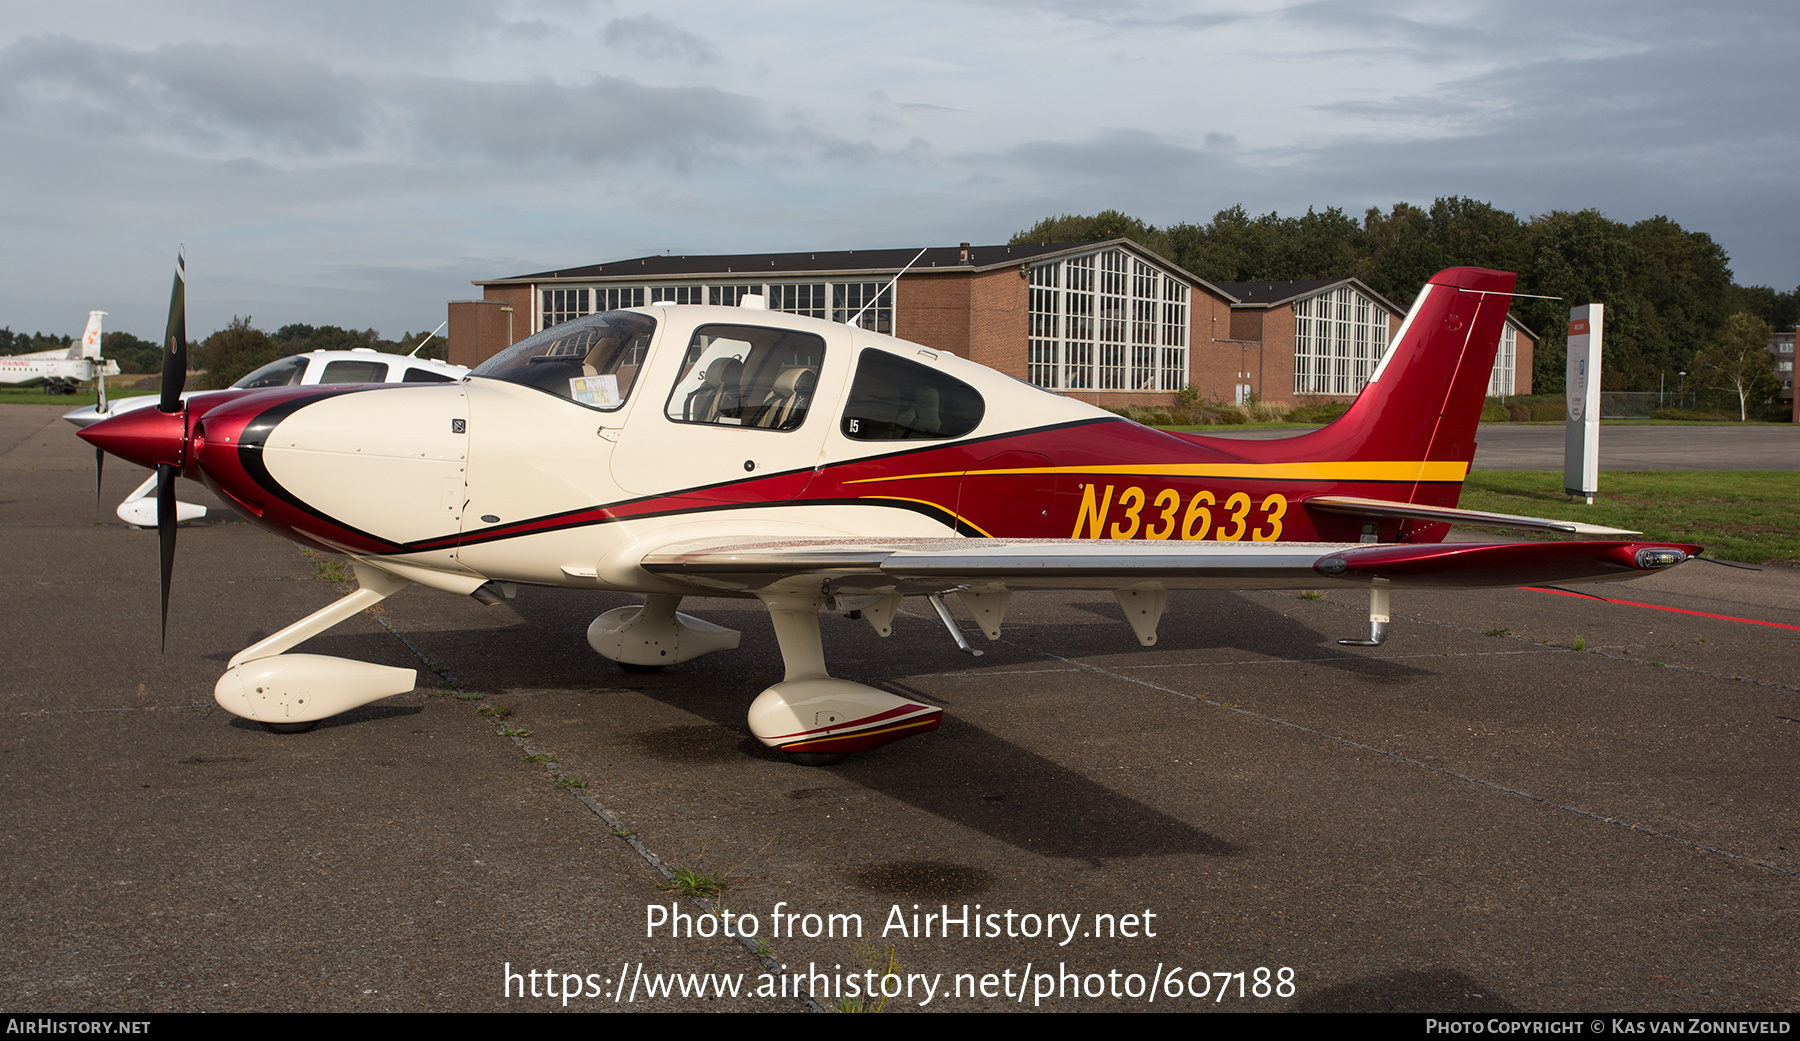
(146, 436)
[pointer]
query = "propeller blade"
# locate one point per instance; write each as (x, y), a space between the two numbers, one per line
(165, 534)
(99, 474)
(174, 374)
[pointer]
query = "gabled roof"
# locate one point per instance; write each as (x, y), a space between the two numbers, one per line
(886, 262)
(814, 262)
(1273, 294)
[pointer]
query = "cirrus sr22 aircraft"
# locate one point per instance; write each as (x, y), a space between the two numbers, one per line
(672, 451)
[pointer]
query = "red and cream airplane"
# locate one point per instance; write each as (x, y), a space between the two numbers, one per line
(733, 451)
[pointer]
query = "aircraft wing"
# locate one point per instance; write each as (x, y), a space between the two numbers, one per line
(1357, 507)
(827, 566)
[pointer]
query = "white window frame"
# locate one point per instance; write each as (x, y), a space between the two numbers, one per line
(1107, 320)
(1340, 336)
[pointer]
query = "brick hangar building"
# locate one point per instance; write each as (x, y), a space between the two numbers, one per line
(1109, 322)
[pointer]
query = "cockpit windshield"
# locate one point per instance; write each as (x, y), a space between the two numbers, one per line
(592, 360)
(288, 372)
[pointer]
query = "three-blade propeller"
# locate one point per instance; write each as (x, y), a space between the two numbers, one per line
(174, 379)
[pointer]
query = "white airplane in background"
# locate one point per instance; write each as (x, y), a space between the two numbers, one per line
(690, 450)
(317, 368)
(60, 371)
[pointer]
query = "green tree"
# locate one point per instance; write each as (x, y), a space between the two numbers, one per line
(233, 353)
(132, 354)
(1737, 361)
(1107, 224)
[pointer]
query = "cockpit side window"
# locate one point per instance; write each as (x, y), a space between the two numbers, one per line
(592, 361)
(894, 399)
(746, 376)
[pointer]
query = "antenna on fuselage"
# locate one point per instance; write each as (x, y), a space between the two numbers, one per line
(858, 315)
(415, 351)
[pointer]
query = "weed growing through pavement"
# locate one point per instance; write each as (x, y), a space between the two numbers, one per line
(1580, 644)
(495, 711)
(570, 782)
(886, 962)
(1312, 594)
(690, 882)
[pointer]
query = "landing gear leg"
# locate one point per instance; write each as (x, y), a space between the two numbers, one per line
(290, 693)
(815, 719)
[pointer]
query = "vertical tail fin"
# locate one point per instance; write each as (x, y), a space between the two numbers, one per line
(1424, 400)
(89, 347)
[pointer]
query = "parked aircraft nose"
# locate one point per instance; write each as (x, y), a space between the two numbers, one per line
(146, 436)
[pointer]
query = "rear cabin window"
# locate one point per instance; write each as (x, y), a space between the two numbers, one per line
(746, 376)
(893, 399)
(427, 376)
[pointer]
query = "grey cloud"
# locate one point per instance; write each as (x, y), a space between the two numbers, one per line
(206, 94)
(605, 120)
(651, 37)
(530, 29)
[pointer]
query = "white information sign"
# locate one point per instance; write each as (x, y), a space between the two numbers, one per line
(1581, 437)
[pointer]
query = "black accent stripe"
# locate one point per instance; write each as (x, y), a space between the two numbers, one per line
(937, 513)
(250, 457)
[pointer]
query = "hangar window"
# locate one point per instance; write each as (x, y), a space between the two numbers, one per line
(1107, 321)
(895, 399)
(560, 305)
(1506, 362)
(1339, 337)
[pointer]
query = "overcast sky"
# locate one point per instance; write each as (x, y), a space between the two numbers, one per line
(359, 163)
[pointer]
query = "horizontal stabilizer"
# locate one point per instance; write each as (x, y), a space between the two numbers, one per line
(1355, 507)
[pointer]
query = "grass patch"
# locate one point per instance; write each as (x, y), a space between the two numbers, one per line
(690, 882)
(80, 399)
(1745, 515)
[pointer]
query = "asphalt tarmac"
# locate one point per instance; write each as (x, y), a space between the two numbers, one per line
(1523, 801)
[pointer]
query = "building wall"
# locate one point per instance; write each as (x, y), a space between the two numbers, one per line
(1524, 349)
(933, 309)
(1213, 358)
(480, 329)
(1273, 378)
(999, 312)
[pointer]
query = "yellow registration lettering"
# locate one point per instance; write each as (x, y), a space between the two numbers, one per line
(1132, 501)
(1239, 505)
(1197, 511)
(1168, 501)
(1092, 514)
(1275, 506)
